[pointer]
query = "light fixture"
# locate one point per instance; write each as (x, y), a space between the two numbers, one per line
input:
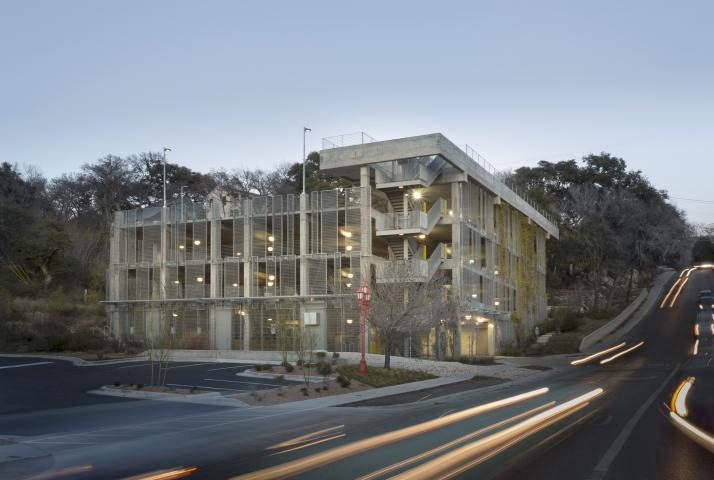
(468, 317)
(271, 238)
(181, 247)
(348, 248)
(346, 234)
(497, 303)
(474, 295)
(350, 275)
(176, 282)
(270, 319)
(416, 194)
(174, 314)
(270, 284)
(238, 254)
(348, 285)
(197, 242)
(422, 236)
(401, 234)
(471, 261)
(349, 321)
(271, 277)
(451, 213)
(270, 249)
(242, 312)
(235, 284)
(495, 272)
(199, 279)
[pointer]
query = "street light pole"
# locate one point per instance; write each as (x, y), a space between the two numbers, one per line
(166, 149)
(304, 158)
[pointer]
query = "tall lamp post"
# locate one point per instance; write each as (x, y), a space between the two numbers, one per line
(363, 297)
(166, 149)
(304, 158)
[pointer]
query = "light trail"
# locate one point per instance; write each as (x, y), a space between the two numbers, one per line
(467, 456)
(679, 290)
(690, 271)
(307, 437)
(696, 347)
(445, 446)
(696, 329)
(165, 474)
(671, 289)
(61, 472)
(310, 444)
(679, 399)
(310, 462)
(698, 435)
(619, 354)
(598, 354)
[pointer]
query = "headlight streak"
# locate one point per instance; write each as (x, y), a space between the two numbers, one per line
(679, 290)
(445, 446)
(60, 472)
(696, 347)
(690, 271)
(698, 435)
(671, 289)
(619, 354)
(679, 399)
(170, 474)
(462, 458)
(301, 465)
(310, 444)
(306, 438)
(696, 329)
(598, 354)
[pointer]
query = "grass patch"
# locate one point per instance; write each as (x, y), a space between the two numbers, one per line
(569, 342)
(380, 377)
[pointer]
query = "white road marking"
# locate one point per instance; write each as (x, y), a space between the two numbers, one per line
(191, 365)
(603, 465)
(133, 366)
(199, 387)
(236, 381)
(25, 365)
(227, 368)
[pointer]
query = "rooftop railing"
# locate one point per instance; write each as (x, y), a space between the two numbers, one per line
(346, 140)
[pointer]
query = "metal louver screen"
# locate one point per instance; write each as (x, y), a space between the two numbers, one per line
(195, 281)
(317, 275)
(200, 240)
(287, 276)
(142, 283)
(152, 244)
(329, 222)
(231, 280)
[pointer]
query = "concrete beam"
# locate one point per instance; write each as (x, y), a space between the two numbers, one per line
(346, 161)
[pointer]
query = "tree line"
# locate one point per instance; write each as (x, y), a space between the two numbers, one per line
(615, 226)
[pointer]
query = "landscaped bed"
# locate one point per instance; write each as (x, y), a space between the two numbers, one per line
(156, 389)
(347, 381)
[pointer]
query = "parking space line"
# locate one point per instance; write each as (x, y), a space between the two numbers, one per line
(236, 381)
(203, 386)
(133, 366)
(228, 368)
(25, 365)
(192, 365)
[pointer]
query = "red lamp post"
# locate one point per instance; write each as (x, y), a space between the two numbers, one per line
(363, 297)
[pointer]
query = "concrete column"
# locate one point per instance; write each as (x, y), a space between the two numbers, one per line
(303, 244)
(365, 233)
(215, 249)
(247, 269)
(456, 255)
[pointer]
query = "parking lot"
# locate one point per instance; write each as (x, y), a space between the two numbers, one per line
(30, 384)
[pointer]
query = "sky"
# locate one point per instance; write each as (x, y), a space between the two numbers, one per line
(231, 84)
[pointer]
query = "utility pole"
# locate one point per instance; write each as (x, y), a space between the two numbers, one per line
(304, 158)
(166, 149)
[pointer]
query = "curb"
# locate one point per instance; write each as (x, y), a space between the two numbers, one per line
(76, 361)
(209, 398)
(286, 376)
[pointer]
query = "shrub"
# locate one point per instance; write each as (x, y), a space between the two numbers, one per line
(304, 391)
(343, 381)
(324, 369)
(325, 387)
(116, 384)
(193, 389)
(299, 363)
(482, 360)
(265, 367)
(335, 355)
(139, 386)
(318, 390)
(280, 378)
(289, 367)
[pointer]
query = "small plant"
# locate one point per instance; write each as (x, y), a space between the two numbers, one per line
(299, 362)
(193, 389)
(265, 367)
(281, 392)
(116, 384)
(321, 356)
(280, 378)
(139, 386)
(343, 381)
(324, 369)
(318, 390)
(304, 391)
(325, 387)
(335, 356)
(289, 367)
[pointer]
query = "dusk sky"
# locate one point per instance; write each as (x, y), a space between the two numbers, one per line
(231, 84)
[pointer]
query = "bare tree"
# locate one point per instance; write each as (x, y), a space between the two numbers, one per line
(402, 306)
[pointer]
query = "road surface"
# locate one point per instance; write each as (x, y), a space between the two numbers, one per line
(618, 426)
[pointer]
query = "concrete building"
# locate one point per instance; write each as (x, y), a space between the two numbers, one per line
(236, 271)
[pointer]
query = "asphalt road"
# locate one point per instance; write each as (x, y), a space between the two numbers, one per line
(622, 432)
